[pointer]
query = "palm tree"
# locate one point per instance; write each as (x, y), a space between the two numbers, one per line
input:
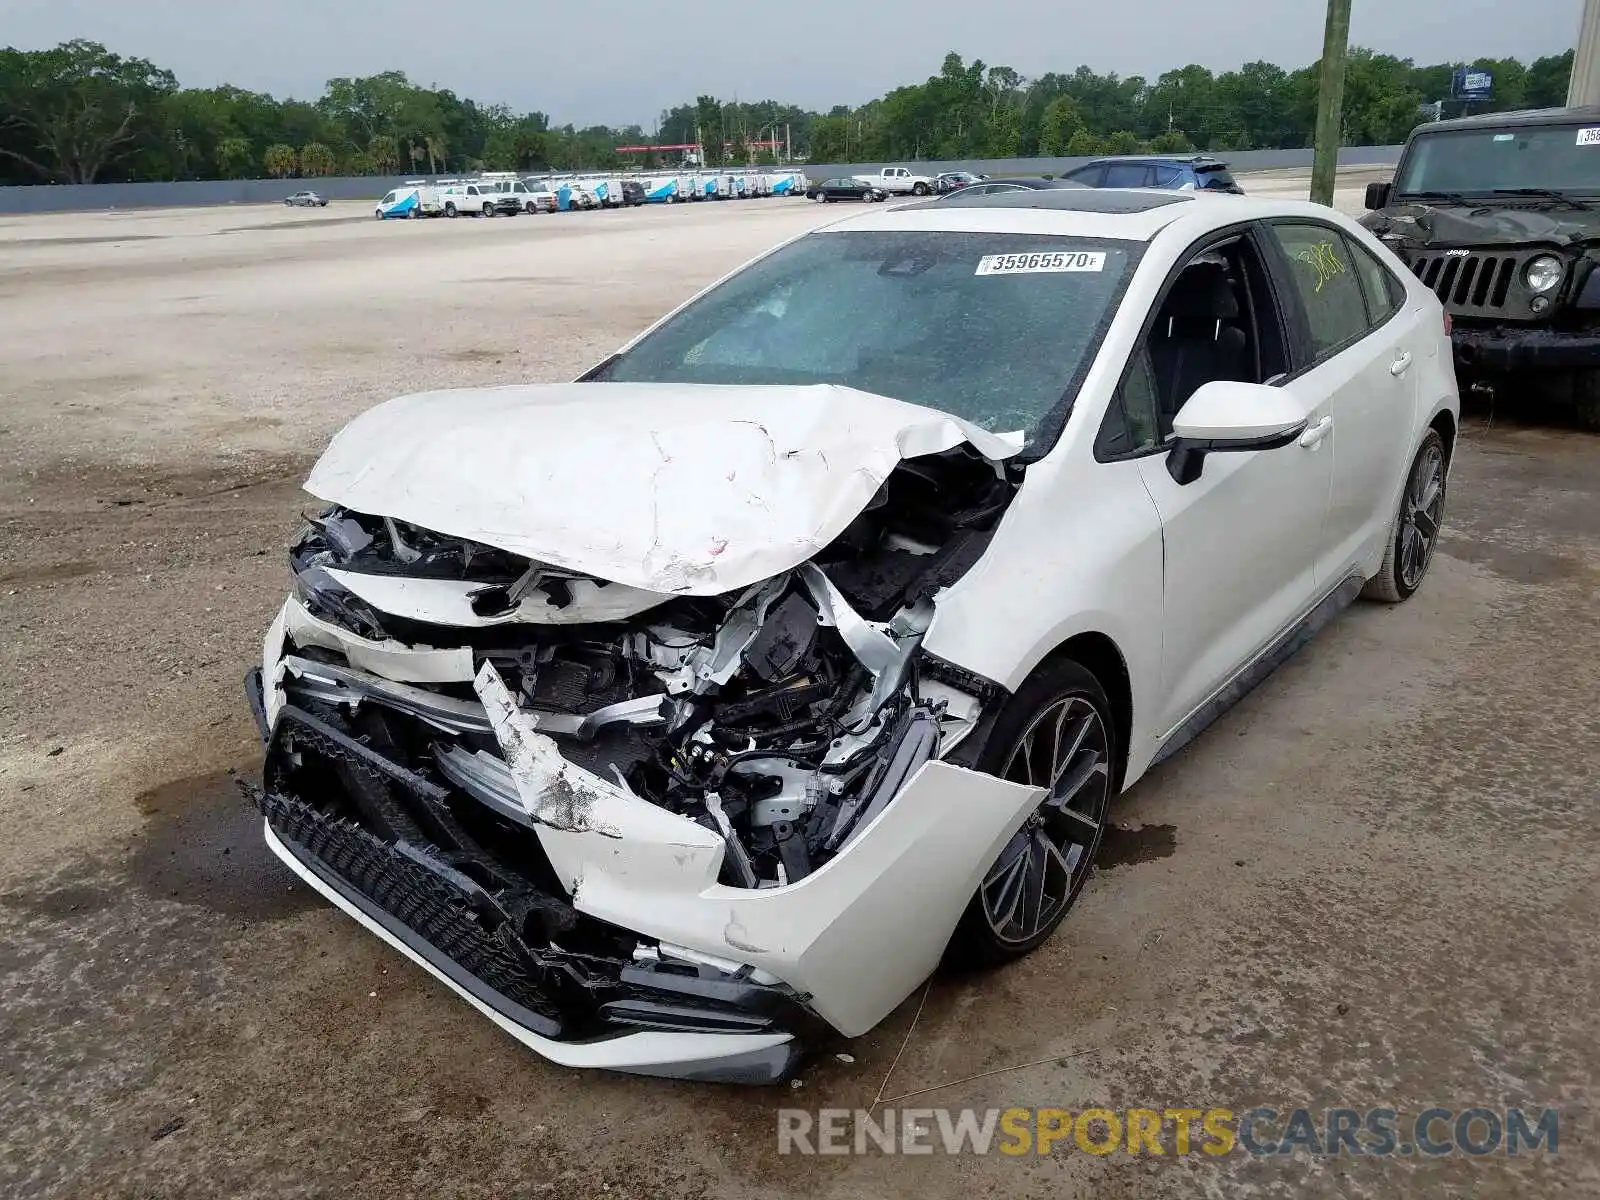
(384, 152)
(436, 147)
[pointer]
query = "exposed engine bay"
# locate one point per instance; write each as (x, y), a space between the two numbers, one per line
(782, 717)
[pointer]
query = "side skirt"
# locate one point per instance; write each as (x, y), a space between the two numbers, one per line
(1281, 650)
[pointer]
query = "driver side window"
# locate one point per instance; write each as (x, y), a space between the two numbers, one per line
(1217, 320)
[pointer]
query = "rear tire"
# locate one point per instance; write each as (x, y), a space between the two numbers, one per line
(1415, 533)
(1057, 731)
(450, 211)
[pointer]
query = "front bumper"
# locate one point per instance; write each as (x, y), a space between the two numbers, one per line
(674, 1020)
(1509, 350)
(780, 970)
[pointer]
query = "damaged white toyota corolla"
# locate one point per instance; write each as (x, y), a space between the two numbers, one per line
(684, 718)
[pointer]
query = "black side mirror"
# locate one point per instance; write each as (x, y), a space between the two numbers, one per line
(1378, 196)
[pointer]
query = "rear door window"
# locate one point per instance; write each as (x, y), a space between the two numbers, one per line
(1326, 282)
(1128, 175)
(1384, 292)
(1090, 175)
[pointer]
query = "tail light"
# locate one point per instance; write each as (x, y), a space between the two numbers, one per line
(1449, 325)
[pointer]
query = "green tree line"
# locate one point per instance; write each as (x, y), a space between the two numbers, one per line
(79, 113)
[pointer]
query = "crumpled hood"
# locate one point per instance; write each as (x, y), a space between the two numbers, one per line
(1484, 225)
(676, 488)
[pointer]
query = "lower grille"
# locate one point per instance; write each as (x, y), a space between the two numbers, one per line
(394, 851)
(419, 897)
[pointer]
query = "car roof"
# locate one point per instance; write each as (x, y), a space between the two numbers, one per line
(1071, 198)
(1124, 214)
(1522, 118)
(1171, 160)
(1034, 181)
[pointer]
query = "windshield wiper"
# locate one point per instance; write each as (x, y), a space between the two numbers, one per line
(1546, 192)
(1449, 197)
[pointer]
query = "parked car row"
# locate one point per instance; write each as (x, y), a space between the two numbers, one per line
(495, 194)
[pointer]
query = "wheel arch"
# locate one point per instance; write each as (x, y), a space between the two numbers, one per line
(1444, 424)
(1098, 654)
(1095, 652)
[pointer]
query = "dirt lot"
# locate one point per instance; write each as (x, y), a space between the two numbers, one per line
(1374, 883)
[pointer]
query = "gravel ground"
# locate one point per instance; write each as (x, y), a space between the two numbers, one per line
(1373, 883)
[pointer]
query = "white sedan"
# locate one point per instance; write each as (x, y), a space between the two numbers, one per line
(684, 718)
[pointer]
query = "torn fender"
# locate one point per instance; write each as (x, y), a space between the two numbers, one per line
(682, 489)
(857, 935)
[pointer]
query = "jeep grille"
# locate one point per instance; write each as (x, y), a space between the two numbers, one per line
(1474, 284)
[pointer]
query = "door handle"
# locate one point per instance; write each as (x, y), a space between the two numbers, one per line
(1398, 367)
(1312, 437)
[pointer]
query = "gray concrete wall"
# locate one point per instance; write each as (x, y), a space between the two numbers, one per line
(190, 194)
(100, 196)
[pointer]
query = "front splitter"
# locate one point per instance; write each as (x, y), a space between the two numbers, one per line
(705, 1057)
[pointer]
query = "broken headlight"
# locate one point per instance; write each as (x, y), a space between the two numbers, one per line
(323, 597)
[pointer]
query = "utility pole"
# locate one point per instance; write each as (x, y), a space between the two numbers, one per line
(1585, 85)
(1330, 102)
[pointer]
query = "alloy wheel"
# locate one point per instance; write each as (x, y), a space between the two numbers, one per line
(1042, 868)
(1421, 516)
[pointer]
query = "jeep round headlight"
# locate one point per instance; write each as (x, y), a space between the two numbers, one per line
(1544, 272)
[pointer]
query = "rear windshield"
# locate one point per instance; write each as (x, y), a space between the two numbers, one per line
(1564, 158)
(1214, 177)
(995, 328)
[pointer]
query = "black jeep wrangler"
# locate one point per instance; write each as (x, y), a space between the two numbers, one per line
(1500, 215)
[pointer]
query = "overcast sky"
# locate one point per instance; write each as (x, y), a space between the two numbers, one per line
(621, 62)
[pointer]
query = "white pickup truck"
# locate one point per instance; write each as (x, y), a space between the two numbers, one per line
(899, 181)
(473, 199)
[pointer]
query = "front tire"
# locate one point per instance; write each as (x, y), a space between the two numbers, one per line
(1415, 533)
(1056, 732)
(920, 189)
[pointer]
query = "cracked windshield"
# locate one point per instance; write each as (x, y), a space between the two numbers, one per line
(994, 328)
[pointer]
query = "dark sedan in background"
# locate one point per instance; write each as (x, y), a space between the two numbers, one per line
(844, 189)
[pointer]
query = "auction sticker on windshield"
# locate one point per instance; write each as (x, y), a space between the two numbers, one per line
(1589, 137)
(1044, 260)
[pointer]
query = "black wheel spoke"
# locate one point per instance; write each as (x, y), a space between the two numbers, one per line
(1421, 517)
(1064, 749)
